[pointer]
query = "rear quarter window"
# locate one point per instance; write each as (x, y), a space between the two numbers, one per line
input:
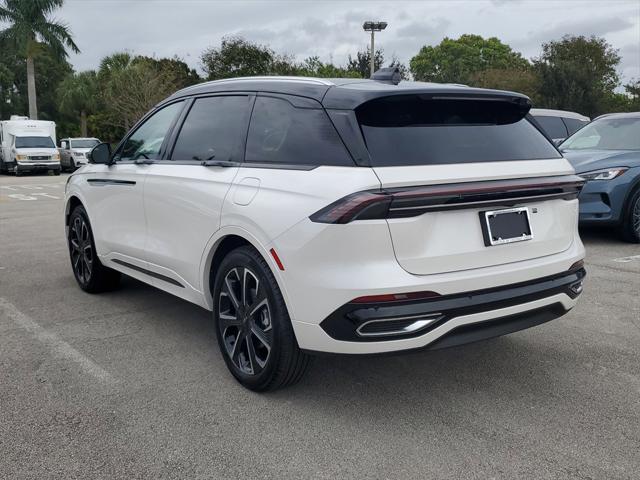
(280, 133)
(554, 126)
(573, 124)
(411, 130)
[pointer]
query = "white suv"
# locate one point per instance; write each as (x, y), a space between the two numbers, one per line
(345, 216)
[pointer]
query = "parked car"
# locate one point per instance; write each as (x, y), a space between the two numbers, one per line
(73, 152)
(344, 216)
(28, 146)
(606, 153)
(559, 124)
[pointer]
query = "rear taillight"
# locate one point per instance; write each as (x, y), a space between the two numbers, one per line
(413, 201)
(357, 206)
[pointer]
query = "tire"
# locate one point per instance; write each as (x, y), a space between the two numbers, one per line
(630, 228)
(57, 172)
(252, 324)
(91, 275)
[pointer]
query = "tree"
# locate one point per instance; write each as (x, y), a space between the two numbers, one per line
(578, 74)
(238, 57)
(458, 60)
(632, 90)
(313, 67)
(78, 95)
(361, 64)
(130, 85)
(523, 80)
(31, 29)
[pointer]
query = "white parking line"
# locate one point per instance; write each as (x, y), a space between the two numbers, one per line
(51, 340)
(627, 259)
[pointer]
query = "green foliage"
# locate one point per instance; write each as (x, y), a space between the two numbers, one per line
(458, 60)
(361, 63)
(238, 57)
(31, 32)
(522, 80)
(129, 86)
(78, 96)
(313, 67)
(50, 72)
(31, 27)
(577, 73)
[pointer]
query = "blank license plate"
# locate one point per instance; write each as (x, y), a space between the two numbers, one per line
(505, 226)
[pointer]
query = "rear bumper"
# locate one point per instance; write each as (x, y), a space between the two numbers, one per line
(462, 318)
(346, 323)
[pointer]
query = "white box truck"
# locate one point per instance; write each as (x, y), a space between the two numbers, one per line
(28, 146)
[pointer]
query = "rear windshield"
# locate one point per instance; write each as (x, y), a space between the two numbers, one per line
(34, 142)
(85, 143)
(411, 130)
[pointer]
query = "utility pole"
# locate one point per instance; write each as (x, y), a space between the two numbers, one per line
(373, 27)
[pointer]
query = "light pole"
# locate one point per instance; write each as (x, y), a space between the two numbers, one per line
(373, 27)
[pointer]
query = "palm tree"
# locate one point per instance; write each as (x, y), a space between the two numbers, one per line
(78, 95)
(32, 29)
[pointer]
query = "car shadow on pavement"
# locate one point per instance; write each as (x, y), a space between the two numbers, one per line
(515, 365)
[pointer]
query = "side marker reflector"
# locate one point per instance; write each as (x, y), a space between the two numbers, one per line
(277, 259)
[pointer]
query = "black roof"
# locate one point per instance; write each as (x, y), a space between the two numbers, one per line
(339, 93)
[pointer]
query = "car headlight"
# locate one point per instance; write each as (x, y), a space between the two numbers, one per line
(56, 156)
(21, 157)
(78, 154)
(604, 174)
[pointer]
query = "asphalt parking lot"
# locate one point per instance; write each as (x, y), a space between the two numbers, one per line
(130, 384)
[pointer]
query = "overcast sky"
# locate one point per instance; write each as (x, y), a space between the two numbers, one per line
(332, 29)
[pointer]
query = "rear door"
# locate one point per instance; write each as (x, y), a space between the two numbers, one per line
(446, 162)
(185, 192)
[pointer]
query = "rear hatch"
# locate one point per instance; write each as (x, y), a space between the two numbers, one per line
(448, 162)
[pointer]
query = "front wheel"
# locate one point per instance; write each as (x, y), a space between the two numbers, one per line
(91, 275)
(630, 228)
(252, 324)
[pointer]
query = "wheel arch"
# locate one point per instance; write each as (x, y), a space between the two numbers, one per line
(634, 187)
(223, 242)
(72, 202)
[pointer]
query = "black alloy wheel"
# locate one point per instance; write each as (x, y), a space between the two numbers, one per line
(252, 323)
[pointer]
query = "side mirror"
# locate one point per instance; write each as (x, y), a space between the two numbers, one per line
(63, 145)
(101, 153)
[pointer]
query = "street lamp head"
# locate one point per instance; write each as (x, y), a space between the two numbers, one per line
(374, 26)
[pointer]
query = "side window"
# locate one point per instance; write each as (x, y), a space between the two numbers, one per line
(282, 133)
(215, 128)
(553, 126)
(573, 124)
(146, 141)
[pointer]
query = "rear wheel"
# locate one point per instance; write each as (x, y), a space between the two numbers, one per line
(253, 326)
(91, 275)
(630, 228)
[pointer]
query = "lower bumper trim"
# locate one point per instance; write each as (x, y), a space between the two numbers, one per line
(476, 332)
(347, 322)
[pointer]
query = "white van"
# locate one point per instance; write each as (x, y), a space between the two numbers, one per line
(28, 146)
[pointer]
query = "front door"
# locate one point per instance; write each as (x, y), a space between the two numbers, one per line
(115, 191)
